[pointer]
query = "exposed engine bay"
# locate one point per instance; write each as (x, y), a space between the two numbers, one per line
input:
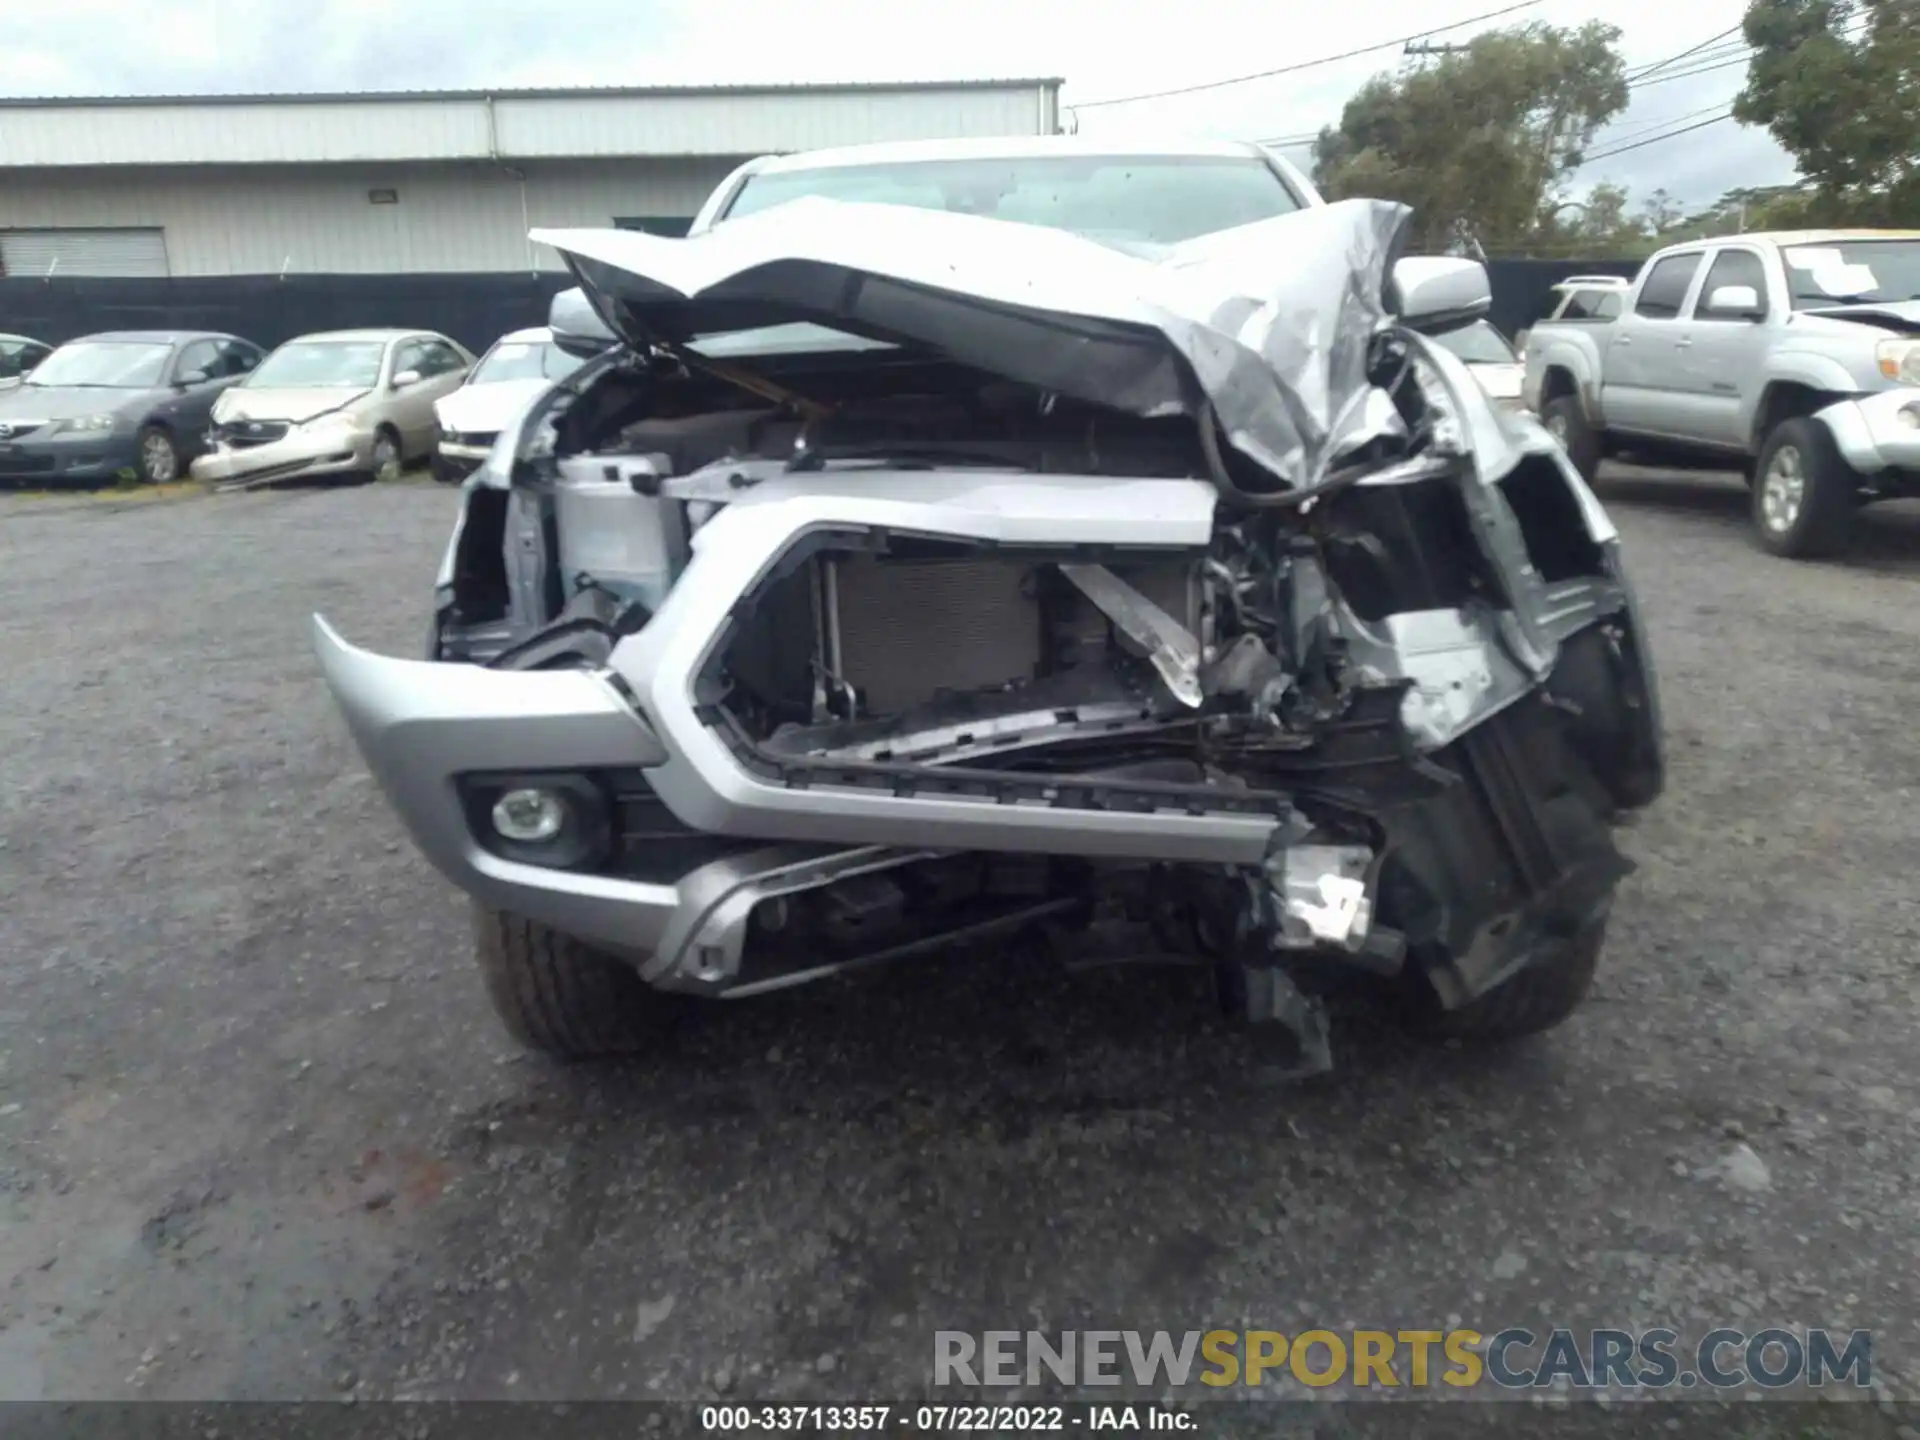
(985, 654)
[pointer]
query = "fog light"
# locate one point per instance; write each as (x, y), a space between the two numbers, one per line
(1909, 416)
(529, 817)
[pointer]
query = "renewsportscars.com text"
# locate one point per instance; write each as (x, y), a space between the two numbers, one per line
(1511, 1359)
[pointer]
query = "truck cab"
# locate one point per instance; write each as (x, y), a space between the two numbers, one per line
(1793, 358)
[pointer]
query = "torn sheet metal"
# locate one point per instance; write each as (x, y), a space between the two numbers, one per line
(1273, 319)
(1174, 651)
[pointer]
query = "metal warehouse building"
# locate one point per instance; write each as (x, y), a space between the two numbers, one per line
(419, 182)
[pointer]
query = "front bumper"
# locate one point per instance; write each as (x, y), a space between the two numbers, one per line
(454, 461)
(329, 452)
(83, 458)
(1877, 432)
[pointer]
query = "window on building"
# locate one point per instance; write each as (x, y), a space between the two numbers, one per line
(138, 253)
(673, 226)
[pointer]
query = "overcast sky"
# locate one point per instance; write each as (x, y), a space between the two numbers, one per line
(1102, 48)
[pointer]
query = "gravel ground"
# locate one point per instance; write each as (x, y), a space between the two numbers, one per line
(260, 1136)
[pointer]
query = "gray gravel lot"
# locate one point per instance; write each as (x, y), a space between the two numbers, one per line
(260, 1136)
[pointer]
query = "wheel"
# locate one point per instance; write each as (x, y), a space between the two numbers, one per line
(1527, 1003)
(387, 463)
(1567, 423)
(561, 996)
(1803, 501)
(159, 456)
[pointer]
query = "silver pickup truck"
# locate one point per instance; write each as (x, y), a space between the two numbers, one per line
(1793, 357)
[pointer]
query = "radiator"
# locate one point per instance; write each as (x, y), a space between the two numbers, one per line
(911, 628)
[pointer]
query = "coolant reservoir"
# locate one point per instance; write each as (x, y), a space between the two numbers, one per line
(613, 536)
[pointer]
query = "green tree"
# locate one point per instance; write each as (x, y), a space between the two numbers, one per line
(1837, 82)
(1482, 140)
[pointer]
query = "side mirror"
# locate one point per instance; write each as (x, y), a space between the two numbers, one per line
(193, 378)
(1739, 302)
(406, 378)
(1438, 292)
(577, 327)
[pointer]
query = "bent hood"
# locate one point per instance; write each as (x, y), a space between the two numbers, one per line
(294, 406)
(486, 409)
(1270, 322)
(1900, 316)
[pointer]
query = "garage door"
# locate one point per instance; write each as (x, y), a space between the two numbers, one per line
(83, 252)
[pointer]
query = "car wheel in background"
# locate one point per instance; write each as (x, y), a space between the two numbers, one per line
(1567, 423)
(387, 462)
(159, 456)
(1803, 492)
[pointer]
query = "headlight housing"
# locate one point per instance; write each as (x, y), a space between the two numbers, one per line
(1899, 360)
(84, 423)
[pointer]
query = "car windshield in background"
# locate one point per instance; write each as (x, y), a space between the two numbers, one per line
(1129, 199)
(320, 365)
(1853, 272)
(524, 360)
(104, 365)
(1478, 344)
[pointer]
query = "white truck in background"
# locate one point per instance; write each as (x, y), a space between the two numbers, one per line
(1792, 357)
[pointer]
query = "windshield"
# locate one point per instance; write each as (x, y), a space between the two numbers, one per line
(1478, 344)
(1139, 199)
(320, 365)
(1850, 272)
(105, 365)
(524, 360)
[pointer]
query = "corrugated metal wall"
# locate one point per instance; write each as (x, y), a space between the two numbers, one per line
(318, 220)
(396, 128)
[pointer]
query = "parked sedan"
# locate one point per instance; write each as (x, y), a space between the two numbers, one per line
(343, 403)
(18, 355)
(509, 377)
(127, 401)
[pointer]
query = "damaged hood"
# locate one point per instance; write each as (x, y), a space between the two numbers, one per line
(1900, 316)
(1270, 322)
(295, 406)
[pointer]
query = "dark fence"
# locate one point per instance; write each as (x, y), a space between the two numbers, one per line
(474, 309)
(1520, 286)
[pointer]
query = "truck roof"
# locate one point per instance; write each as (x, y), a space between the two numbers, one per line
(1806, 237)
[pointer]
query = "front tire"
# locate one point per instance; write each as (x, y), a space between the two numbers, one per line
(387, 463)
(159, 456)
(1535, 1000)
(1803, 493)
(1566, 421)
(560, 996)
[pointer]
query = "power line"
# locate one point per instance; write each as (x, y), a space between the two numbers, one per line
(1662, 123)
(1727, 64)
(1662, 64)
(1656, 139)
(1308, 64)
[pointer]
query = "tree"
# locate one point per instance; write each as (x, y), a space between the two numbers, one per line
(1837, 82)
(1482, 140)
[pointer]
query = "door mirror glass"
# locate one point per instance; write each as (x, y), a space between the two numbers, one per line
(406, 378)
(190, 378)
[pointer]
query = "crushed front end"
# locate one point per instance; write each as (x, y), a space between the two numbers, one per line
(1225, 608)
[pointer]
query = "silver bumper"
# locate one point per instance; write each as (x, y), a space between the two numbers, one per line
(1877, 432)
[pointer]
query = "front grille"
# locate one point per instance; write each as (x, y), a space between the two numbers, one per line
(245, 434)
(20, 463)
(482, 438)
